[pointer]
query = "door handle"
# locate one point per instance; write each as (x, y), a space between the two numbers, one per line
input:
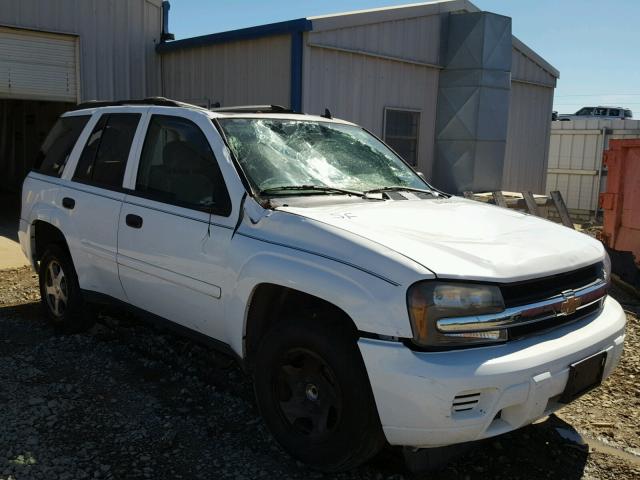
(134, 221)
(68, 202)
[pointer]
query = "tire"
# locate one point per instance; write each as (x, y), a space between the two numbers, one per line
(313, 392)
(60, 292)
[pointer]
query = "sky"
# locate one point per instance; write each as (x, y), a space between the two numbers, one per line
(594, 43)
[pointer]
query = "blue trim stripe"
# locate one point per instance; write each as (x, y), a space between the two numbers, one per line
(296, 71)
(279, 28)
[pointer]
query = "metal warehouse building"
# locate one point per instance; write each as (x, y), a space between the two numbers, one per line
(443, 83)
(56, 53)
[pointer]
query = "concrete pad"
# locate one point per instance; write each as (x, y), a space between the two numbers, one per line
(11, 255)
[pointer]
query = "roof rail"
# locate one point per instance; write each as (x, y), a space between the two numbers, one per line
(157, 101)
(254, 109)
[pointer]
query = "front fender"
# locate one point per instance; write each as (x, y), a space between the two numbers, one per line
(373, 304)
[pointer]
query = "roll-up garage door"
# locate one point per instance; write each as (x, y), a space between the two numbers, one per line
(38, 65)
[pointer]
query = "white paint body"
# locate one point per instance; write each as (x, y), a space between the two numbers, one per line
(360, 256)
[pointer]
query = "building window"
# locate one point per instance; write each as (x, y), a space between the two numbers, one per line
(401, 133)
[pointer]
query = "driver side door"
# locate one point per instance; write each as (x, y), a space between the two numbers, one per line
(175, 227)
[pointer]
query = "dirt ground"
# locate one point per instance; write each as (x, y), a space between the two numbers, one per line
(126, 401)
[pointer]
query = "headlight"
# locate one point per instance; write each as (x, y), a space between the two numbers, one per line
(606, 268)
(430, 301)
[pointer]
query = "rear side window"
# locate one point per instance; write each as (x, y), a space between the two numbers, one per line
(55, 151)
(177, 166)
(104, 157)
(628, 114)
(614, 112)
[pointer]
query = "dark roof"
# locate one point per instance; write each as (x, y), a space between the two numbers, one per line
(279, 28)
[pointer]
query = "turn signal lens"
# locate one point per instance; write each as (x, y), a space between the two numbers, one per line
(606, 268)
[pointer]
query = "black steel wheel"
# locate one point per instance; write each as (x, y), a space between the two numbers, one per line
(308, 393)
(313, 392)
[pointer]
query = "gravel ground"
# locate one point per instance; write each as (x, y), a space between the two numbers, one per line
(126, 401)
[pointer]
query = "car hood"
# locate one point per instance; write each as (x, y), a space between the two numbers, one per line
(463, 239)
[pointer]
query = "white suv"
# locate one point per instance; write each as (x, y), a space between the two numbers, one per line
(366, 304)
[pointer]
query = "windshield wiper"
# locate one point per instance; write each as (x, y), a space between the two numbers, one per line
(399, 189)
(316, 188)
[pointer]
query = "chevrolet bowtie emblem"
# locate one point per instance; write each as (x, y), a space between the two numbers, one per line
(570, 305)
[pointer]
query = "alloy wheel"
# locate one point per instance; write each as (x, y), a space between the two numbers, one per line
(56, 288)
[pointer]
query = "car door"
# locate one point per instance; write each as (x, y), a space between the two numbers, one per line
(92, 198)
(176, 225)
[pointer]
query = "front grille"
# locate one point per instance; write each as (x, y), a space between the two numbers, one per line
(529, 291)
(523, 331)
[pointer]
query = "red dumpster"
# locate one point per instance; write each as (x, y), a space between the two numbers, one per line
(621, 206)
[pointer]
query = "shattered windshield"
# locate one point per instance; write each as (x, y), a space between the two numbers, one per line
(294, 153)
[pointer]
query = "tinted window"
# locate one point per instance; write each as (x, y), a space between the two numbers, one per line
(585, 111)
(57, 147)
(104, 157)
(177, 166)
(401, 133)
(614, 112)
(628, 114)
(602, 112)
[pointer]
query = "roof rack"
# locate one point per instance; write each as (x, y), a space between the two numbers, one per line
(157, 101)
(254, 109)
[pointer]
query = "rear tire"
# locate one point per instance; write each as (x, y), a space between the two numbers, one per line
(60, 292)
(313, 392)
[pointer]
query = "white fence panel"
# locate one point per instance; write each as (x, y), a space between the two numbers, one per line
(575, 158)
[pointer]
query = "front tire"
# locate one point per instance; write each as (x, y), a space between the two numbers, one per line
(60, 292)
(313, 392)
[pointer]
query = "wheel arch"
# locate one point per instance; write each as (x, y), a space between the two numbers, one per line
(270, 303)
(44, 233)
(370, 303)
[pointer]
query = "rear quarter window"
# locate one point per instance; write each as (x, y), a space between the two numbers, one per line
(54, 152)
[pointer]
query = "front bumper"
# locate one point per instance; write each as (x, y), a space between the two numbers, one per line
(497, 389)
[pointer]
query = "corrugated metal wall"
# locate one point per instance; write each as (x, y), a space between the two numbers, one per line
(525, 162)
(523, 68)
(415, 39)
(234, 73)
(117, 40)
(358, 88)
(358, 71)
(530, 107)
(575, 158)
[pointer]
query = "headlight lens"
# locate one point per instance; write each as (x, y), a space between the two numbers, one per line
(431, 300)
